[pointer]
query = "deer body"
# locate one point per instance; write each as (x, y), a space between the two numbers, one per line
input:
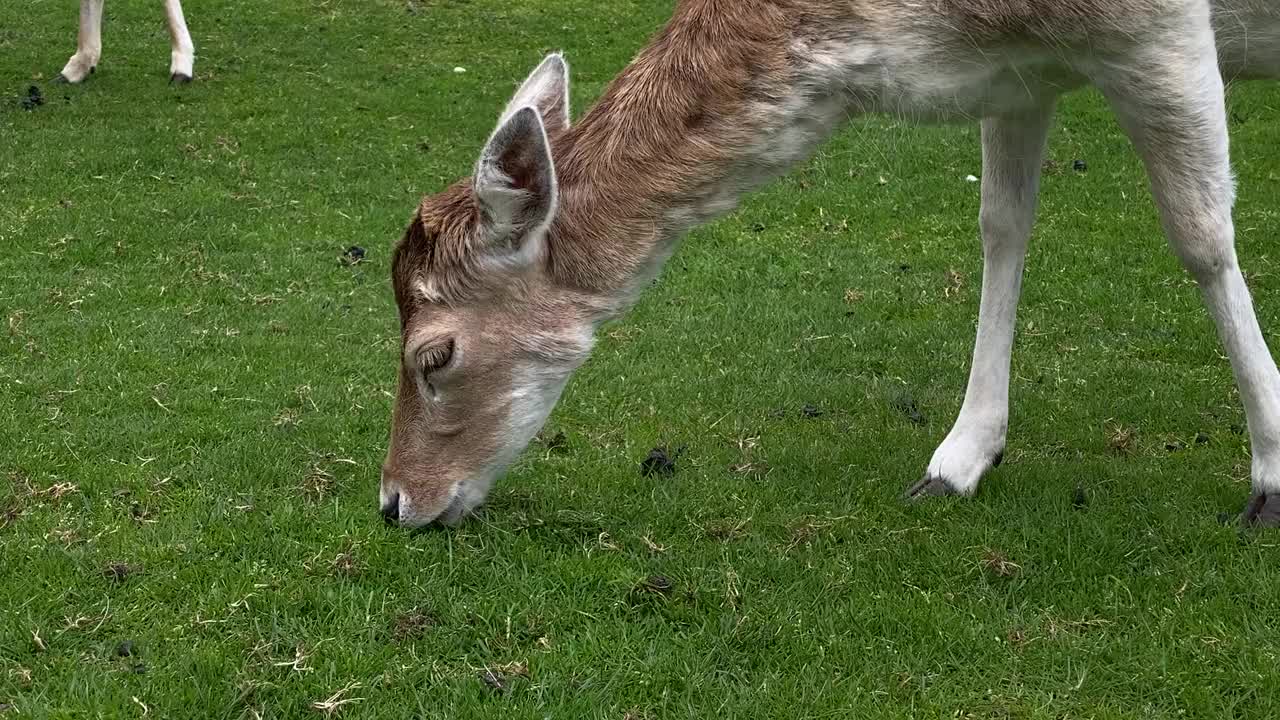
(89, 44)
(562, 227)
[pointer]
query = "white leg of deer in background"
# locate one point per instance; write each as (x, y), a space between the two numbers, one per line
(182, 65)
(1012, 151)
(1175, 113)
(88, 45)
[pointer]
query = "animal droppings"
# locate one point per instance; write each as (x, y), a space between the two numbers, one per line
(119, 572)
(495, 681)
(811, 411)
(660, 462)
(656, 585)
(1079, 500)
(34, 98)
(353, 256)
(906, 405)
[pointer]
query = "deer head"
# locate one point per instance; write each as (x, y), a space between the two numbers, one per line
(489, 339)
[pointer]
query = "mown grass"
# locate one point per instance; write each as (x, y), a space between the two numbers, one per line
(196, 398)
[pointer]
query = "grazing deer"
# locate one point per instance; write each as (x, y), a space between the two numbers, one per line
(89, 44)
(502, 279)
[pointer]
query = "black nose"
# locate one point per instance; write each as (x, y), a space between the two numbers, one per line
(391, 511)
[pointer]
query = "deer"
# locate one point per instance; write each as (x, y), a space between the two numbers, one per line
(89, 44)
(502, 279)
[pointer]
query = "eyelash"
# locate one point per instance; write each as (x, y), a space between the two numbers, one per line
(436, 358)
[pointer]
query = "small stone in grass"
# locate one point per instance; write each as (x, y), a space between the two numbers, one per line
(971, 178)
(811, 411)
(459, 69)
(126, 649)
(1079, 165)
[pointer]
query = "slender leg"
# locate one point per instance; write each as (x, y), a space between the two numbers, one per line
(88, 45)
(1170, 102)
(182, 65)
(1012, 152)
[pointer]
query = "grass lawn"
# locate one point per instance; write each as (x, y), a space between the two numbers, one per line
(195, 395)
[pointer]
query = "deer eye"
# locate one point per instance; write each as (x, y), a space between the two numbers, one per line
(435, 357)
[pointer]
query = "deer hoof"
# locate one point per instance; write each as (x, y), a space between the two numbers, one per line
(179, 79)
(1262, 511)
(929, 486)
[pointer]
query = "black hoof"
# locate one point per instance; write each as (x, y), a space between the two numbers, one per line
(999, 458)
(179, 79)
(1263, 511)
(61, 79)
(929, 486)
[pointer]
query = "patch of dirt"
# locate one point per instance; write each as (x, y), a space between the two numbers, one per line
(412, 625)
(119, 572)
(10, 511)
(998, 564)
(318, 483)
(556, 444)
(345, 563)
(955, 284)
(1017, 638)
(1122, 440)
(726, 529)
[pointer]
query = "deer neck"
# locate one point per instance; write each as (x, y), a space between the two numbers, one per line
(709, 111)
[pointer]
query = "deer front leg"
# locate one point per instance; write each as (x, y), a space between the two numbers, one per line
(88, 45)
(182, 64)
(1012, 151)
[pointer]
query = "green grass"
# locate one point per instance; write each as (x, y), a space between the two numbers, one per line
(195, 387)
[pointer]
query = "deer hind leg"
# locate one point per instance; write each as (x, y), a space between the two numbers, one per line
(1170, 101)
(182, 64)
(88, 44)
(1012, 152)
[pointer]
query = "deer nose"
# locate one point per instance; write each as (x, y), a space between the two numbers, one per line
(391, 510)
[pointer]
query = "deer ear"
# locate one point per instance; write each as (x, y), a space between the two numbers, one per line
(547, 90)
(515, 182)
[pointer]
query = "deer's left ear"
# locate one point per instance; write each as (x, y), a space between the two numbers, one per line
(547, 90)
(515, 183)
